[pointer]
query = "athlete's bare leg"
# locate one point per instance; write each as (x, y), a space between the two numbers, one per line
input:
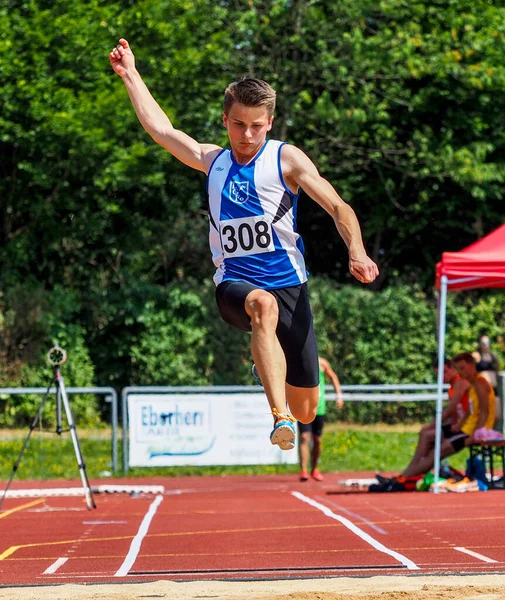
(262, 308)
(316, 450)
(426, 464)
(304, 449)
(303, 402)
(425, 444)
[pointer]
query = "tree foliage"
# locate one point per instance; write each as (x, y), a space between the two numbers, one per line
(401, 106)
(103, 234)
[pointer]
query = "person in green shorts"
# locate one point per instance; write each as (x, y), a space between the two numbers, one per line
(310, 433)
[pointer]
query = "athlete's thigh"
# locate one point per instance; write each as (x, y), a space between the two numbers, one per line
(302, 402)
(295, 332)
(230, 300)
(427, 435)
(449, 447)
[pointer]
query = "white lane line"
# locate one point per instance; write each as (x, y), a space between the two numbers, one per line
(356, 515)
(55, 566)
(475, 554)
(356, 530)
(131, 557)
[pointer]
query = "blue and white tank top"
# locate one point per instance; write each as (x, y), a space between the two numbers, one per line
(252, 216)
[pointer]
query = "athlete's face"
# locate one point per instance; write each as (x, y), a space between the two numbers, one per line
(466, 370)
(247, 128)
(449, 374)
(484, 343)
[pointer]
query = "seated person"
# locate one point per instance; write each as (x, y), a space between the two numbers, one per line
(452, 416)
(456, 436)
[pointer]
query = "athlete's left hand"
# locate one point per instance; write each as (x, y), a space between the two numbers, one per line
(363, 268)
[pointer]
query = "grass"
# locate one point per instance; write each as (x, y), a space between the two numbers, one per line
(346, 448)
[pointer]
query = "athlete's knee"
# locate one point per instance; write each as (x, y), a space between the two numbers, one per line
(446, 449)
(425, 429)
(427, 433)
(305, 438)
(262, 307)
(305, 414)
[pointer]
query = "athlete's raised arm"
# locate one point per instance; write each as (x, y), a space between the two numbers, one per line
(153, 119)
(299, 171)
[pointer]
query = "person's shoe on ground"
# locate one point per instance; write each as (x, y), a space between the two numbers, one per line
(389, 485)
(464, 485)
(381, 479)
(316, 475)
(396, 484)
(443, 484)
(304, 476)
(284, 432)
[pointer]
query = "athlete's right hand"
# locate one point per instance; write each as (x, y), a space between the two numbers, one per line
(121, 58)
(363, 268)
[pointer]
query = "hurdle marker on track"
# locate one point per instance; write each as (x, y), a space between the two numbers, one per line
(131, 557)
(359, 532)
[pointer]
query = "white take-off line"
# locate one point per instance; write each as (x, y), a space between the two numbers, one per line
(131, 557)
(357, 531)
(475, 554)
(55, 566)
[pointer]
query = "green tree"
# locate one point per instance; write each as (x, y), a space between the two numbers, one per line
(400, 104)
(33, 320)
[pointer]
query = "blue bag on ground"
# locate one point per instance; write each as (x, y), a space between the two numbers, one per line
(476, 469)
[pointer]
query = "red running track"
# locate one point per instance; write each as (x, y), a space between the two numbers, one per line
(257, 527)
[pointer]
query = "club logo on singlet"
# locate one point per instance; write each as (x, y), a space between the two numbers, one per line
(239, 191)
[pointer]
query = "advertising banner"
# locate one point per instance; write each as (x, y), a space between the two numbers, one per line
(202, 429)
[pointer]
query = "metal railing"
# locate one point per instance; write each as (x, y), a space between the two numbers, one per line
(110, 396)
(387, 392)
(351, 393)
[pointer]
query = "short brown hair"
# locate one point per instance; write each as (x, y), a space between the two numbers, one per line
(250, 91)
(447, 362)
(464, 356)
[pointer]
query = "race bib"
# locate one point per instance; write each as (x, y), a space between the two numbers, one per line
(247, 236)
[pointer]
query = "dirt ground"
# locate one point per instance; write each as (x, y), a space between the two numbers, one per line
(472, 587)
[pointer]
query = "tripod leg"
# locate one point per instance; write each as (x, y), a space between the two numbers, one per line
(32, 427)
(90, 499)
(59, 428)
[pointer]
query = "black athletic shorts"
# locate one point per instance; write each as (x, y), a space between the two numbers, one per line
(295, 330)
(457, 438)
(315, 428)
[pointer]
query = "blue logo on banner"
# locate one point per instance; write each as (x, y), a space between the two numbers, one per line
(175, 430)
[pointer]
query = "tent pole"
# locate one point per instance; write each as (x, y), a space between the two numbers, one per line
(442, 309)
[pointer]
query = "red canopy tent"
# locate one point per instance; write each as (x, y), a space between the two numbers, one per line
(480, 265)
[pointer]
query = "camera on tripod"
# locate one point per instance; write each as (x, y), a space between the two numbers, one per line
(57, 357)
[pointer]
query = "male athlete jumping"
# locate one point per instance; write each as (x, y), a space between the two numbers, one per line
(261, 281)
